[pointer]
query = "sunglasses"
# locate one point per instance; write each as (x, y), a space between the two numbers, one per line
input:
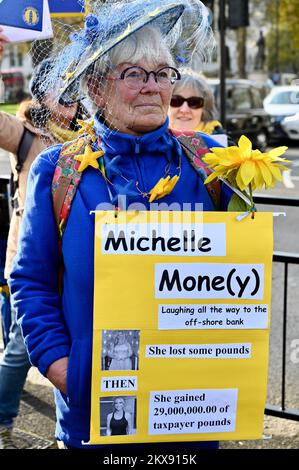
(194, 102)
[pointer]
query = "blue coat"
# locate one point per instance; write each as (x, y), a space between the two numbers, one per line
(55, 326)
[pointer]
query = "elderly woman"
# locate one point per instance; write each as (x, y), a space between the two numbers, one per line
(129, 79)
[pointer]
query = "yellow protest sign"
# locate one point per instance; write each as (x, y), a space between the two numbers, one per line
(181, 326)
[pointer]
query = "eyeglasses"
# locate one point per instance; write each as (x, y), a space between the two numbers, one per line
(194, 102)
(136, 77)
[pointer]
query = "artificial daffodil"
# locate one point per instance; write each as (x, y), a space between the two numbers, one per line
(245, 168)
(163, 187)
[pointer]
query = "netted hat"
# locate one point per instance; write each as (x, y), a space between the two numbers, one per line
(184, 24)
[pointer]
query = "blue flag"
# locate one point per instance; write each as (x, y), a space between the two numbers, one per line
(65, 6)
(25, 14)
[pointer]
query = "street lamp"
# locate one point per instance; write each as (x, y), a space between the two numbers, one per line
(223, 59)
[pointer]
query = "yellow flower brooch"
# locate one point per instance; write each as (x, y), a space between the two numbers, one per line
(163, 187)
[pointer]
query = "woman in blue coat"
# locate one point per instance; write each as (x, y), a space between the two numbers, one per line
(128, 73)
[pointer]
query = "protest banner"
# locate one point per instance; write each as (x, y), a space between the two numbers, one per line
(181, 325)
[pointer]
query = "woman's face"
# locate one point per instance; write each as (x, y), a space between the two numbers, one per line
(185, 118)
(121, 338)
(119, 404)
(63, 114)
(133, 111)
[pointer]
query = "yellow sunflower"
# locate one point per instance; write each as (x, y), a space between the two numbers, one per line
(244, 167)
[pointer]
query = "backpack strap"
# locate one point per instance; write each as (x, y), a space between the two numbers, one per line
(66, 180)
(24, 147)
(21, 155)
(195, 148)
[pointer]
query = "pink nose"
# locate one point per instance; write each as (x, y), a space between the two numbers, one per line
(151, 84)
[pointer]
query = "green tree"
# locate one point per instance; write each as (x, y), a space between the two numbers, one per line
(283, 36)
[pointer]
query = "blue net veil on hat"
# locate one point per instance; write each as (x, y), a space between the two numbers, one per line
(183, 24)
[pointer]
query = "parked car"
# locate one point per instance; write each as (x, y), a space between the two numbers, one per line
(244, 111)
(290, 125)
(282, 101)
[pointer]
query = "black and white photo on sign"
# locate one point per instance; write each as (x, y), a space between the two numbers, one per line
(120, 350)
(117, 415)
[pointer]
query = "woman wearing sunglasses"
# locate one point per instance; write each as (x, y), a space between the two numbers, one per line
(192, 107)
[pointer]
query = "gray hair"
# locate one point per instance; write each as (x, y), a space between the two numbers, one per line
(199, 85)
(146, 44)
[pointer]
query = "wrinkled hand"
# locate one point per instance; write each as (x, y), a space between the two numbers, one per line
(57, 374)
(3, 41)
